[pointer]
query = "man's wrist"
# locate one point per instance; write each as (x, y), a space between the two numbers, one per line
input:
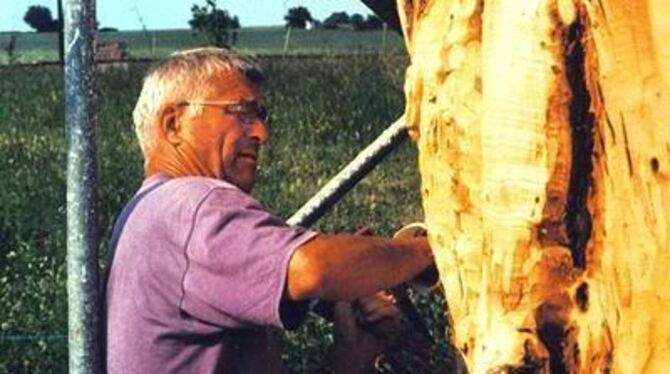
(349, 358)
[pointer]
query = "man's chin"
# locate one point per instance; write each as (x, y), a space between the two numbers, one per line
(246, 187)
(244, 184)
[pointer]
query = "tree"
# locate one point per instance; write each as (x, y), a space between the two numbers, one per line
(373, 23)
(335, 20)
(361, 24)
(298, 17)
(357, 21)
(544, 153)
(215, 23)
(40, 19)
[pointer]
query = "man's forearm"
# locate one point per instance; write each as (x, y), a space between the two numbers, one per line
(346, 267)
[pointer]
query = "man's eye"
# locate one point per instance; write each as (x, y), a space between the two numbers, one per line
(248, 110)
(240, 109)
(234, 109)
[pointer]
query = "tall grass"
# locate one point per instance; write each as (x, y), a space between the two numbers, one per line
(322, 113)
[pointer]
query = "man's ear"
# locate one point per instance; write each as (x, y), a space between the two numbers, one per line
(169, 125)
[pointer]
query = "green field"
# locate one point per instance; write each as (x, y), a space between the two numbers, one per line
(323, 111)
(32, 47)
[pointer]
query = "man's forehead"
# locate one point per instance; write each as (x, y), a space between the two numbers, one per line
(234, 84)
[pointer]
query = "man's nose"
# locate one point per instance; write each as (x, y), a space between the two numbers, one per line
(259, 131)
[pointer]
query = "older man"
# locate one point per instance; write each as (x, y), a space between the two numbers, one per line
(202, 271)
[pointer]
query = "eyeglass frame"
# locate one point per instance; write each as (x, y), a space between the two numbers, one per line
(260, 111)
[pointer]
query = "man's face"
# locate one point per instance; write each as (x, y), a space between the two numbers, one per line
(226, 137)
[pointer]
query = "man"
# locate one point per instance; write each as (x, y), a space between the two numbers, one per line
(202, 272)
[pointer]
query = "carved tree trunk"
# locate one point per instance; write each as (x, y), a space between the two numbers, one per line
(543, 129)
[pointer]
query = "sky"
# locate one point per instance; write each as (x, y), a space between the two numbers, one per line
(174, 14)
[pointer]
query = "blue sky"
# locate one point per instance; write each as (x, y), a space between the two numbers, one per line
(174, 14)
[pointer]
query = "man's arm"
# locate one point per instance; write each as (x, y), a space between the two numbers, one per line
(347, 267)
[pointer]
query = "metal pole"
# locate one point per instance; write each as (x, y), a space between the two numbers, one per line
(348, 177)
(82, 214)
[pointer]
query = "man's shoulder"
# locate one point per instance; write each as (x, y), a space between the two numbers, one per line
(189, 187)
(175, 203)
(202, 183)
(196, 190)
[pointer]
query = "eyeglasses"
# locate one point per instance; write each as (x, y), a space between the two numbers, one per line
(247, 111)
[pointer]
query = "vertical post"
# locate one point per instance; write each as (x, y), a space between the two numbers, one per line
(385, 28)
(287, 40)
(61, 42)
(82, 217)
(153, 44)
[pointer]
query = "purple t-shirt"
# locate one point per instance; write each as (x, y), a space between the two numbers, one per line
(197, 281)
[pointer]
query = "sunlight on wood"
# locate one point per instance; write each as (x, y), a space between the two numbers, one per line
(544, 142)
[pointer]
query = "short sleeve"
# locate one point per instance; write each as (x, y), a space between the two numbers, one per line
(237, 259)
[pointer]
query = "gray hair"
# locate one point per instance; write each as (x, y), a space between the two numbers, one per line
(185, 75)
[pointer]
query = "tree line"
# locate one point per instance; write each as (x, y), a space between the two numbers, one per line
(220, 26)
(300, 17)
(211, 17)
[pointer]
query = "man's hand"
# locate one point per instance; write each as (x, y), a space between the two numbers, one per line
(374, 308)
(356, 345)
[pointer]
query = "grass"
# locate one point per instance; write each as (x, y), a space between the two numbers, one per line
(32, 47)
(323, 112)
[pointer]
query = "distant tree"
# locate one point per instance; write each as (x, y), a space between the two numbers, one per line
(298, 17)
(336, 19)
(357, 21)
(361, 24)
(108, 29)
(215, 23)
(373, 23)
(40, 19)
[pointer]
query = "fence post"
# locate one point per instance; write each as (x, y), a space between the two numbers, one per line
(385, 28)
(82, 212)
(287, 40)
(61, 37)
(153, 44)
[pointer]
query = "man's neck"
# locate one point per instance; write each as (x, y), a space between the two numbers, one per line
(171, 162)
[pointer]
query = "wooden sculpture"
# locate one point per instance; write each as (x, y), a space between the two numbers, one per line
(543, 128)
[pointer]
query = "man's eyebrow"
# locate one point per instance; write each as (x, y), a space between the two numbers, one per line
(251, 101)
(255, 76)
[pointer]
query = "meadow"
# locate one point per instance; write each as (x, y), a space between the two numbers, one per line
(32, 47)
(323, 111)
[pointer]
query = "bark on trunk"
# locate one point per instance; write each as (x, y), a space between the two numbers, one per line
(543, 129)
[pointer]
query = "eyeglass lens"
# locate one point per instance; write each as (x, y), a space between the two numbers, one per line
(249, 112)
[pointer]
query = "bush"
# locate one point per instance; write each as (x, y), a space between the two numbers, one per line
(215, 23)
(336, 19)
(297, 17)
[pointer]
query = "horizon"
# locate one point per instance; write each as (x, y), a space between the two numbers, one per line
(140, 30)
(137, 15)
